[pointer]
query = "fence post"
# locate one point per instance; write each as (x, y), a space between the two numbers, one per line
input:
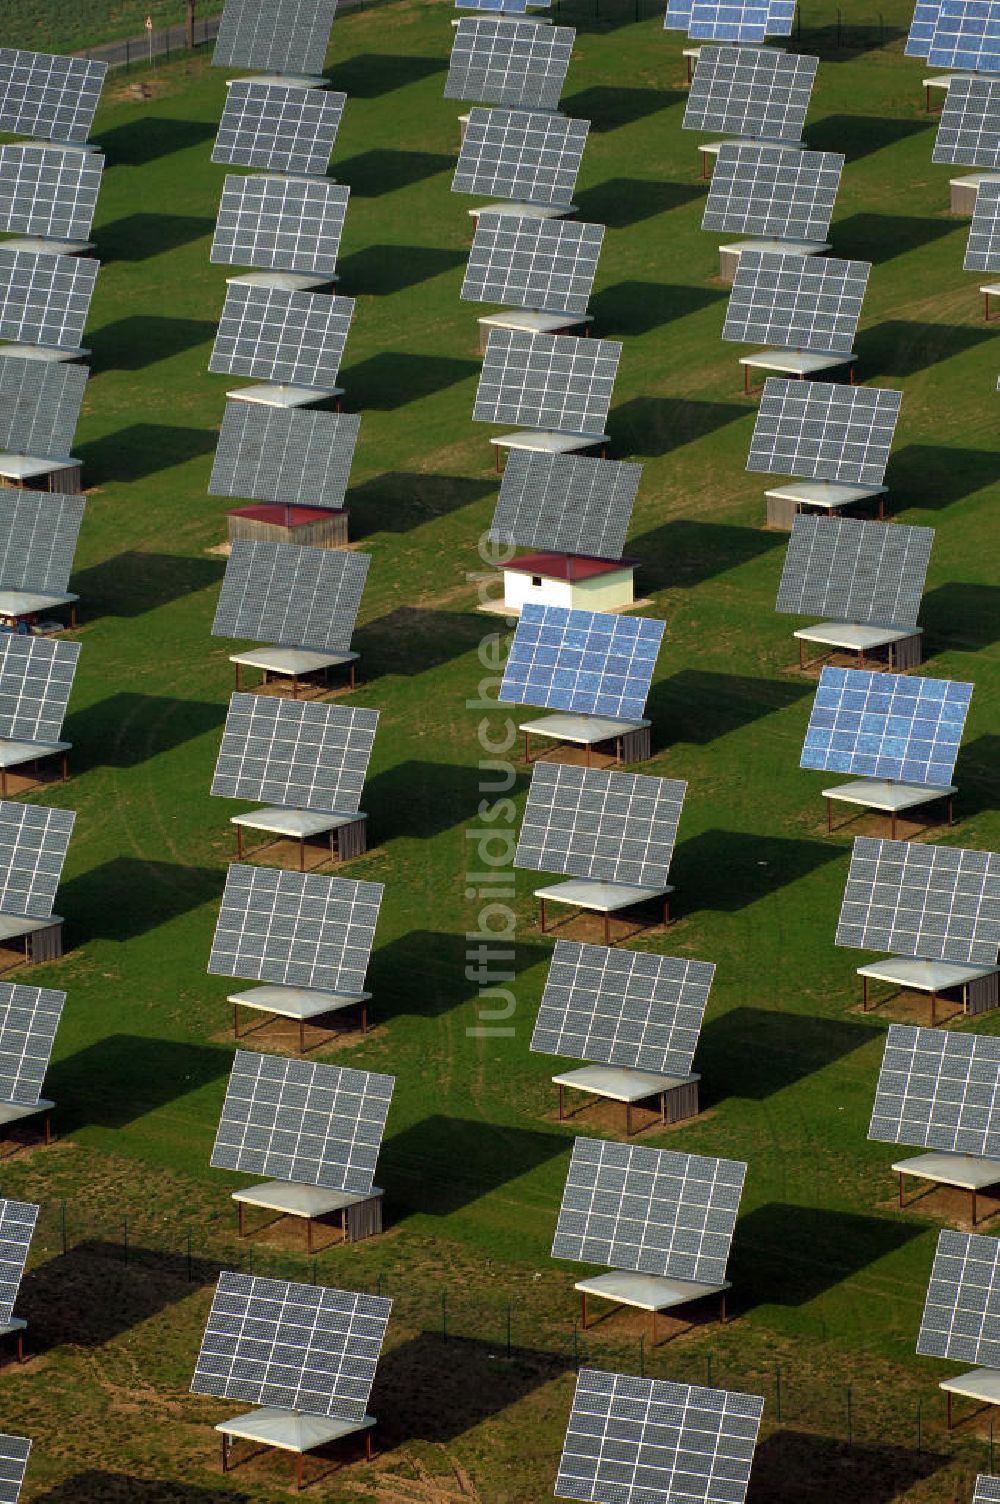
(190, 1271)
(62, 1220)
(509, 1309)
(881, 29)
(777, 1390)
(125, 1244)
(576, 1348)
(839, 28)
(850, 1419)
(444, 1315)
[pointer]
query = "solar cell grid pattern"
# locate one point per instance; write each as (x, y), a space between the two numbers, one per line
(961, 1317)
(969, 128)
(296, 929)
(656, 1442)
(852, 570)
(729, 20)
(823, 431)
(569, 503)
(44, 95)
(17, 1223)
(773, 191)
(941, 903)
(750, 91)
(547, 264)
(886, 726)
(803, 302)
(293, 455)
(295, 597)
(14, 1452)
(520, 154)
(48, 192)
(982, 251)
(289, 225)
(678, 15)
(549, 381)
(39, 405)
(295, 753)
(925, 14)
(507, 7)
(38, 533)
(650, 1211)
(966, 35)
(987, 1490)
(595, 823)
(288, 36)
(45, 299)
(621, 1007)
(590, 662)
(33, 845)
(36, 678)
(295, 338)
(293, 1347)
(278, 127)
(29, 1018)
(304, 1123)
(939, 1091)
(518, 63)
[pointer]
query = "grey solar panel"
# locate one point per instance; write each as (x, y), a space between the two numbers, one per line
(969, 128)
(38, 533)
(853, 570)
(295, 338)
(39, 405)
(295, 929)
(893, 726)
(288, 224)
(621, 1007)
(295, 753)
(982, 253)
(14, 1452)
(304, 1123)
(595, 823)
(17, 1223)
(284, 454)
(569, 503)
(29, 1018)
(290, 36)
(940, 1091)
(750, 91)
(291, 1347)
(292, 596)
(961, 1318)
(517, 154)
(941, 903)
(801, 302)
(584, 662)
(33, 846)
(650, 1211)
(49, 191)
(522, 64)
(987, 1490)
(773, 191)
(549, 381)
(824, 431)
(546, 264)
(279, 127)
(36, 678)
(44, 95)
(45, 299)
(966, 35)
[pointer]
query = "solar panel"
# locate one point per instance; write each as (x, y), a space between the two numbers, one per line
(29, 1018)
(33, 845)
(518, 63)
(45, 95)
(14, 1452)
(517, 154)
(292, 1347)
(40, 405)
(295, 753)
(290, 36)
(569, 503)
(17, 1223)
(855, 571)
(939, 1090)
(36, 678)
(279, 127)
(969, 128)
(38, 533)
(295, 338)
(886, 726)
(47, 191)
(45, 299)
(286, 454)
(591, 822)
(651, 1441)
(296, 929)
(802, 302)
(289, 224)
(505, 7)
(729, 20)
(678, 15)
(925, 14)
(941, 903)
(590, 662)
(967, 35)
(773, 191)
(987, 1490)
(982, 253)
(750, 91)
(547, 264)
(621, 1007)
(296, 597)
(824, 431)
(304, 1123)
(652, 1211)
(550, 381)
(961, 1319)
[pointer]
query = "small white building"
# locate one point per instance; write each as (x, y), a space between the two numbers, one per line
(570, 580)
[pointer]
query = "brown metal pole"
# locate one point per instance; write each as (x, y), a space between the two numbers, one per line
(236, 1020)
(242, 1230)
(607, 929)
(225, 1453)
(864, 992)
(583, 1310)
(541, 917)
(974, 1219)
(561, 1102)
(302, 1036)
(628, 1119)
(302, 853)
(802, 654)
(901, 1188)
(239, 841)
(309, 1233)
(949, 1410)
(829, 817)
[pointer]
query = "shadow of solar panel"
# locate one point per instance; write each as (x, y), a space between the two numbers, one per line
(961, 1318)
(802, 302)
(590, 662)
(44, 300)
(284, 454)
(279, 127)
(17, 1224)
(773, 191)
(291, 596)
(966, 35)
(287, 35)
(297, 754)
(48, 191)
(517, 63)
(530, 263)
(295, 338)
(33, 846)
(969, 128)
(36, 678)
(39, 406)
(292, 1347)
(925, 14)
(517, 154)
(750, 91)
(855, 571)
(568, 503)
(29, 1018)
(45, 95)
(982, 253)
(38, 534)
(940, 1091)
(987, 1490)
(886, 726)
(591, 822)
(822, 431)
(14, 1451)
(941, 903)
(280, 223)
(550, 381)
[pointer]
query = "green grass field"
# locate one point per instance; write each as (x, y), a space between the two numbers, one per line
(72, 25)
(829, 1278)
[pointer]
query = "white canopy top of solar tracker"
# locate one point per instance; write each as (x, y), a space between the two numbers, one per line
(824, 431)
(966, 35)
(939, 1090)
(941, 903)
(29, 1018)
(925, 14)
(39, 405)
(284, 224)
(969, 127)
(279, 127)
(294, 338)
(17, 1223)
(298, 456)
(48, 96)
(801, 302)
(854, 570)
(33, 845)
(961, 1317)
(658, 1442)
(295, 597)
(521, 64)
(45, 299)
(774, 191)
(547, 264)
(288, 36)
(750, 91)
(47, 191)
(548, 381)
(295, 753)
(36, 677)
(886, 726)
(293, 1347)
(739, 20)
(520, 154)
(601, 824)
(587, 662)
(38, 533)
(982, 253)
(567, 503)
(14, 1452)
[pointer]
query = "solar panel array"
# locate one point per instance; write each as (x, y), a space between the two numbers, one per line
(45, 299)
(508, 7)
(295, 753)
(823, 431)
(17, 1223)
(278, 127)
(969, 128)
(296, 597)
(939, 1090)
(33, 846)
(521, 64)
(550, 381)
(39, 405)
(803, 302)
(886, 726)
(925, 14)
(14, 1451)
(295, 928)
(595, 823)
(589, 662)
(750, 91)
(651, 1211)
(288, 36)
(620, 1007)
(941, 903)
(961, 1318)
(854, 570)
(29, 1018)
(49, 192)
(987, 1490)
(773, 191)
(38, 533)
(966, 35)
(36, 678)
(293, 1347)
(295, 338)
(284, 454)
(982, 253)
(287, 224)
(51, 97)
(530, 263)
(677, 16)
(646, 1440)
(569, 503)
(729, 20)
(304, 1123)
(519, 154)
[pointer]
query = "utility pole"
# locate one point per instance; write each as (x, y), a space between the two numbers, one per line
(189, 22)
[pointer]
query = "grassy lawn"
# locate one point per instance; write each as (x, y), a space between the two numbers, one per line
(72, 25)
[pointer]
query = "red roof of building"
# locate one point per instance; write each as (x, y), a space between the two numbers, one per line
(565, 566)
(282, 516)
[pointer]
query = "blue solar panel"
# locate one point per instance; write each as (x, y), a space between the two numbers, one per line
(729, 20)
(925, 14)
(967, 35)
(509, 7)
(780, 18)
(886, 726)
(678, 16)
(585, 661)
